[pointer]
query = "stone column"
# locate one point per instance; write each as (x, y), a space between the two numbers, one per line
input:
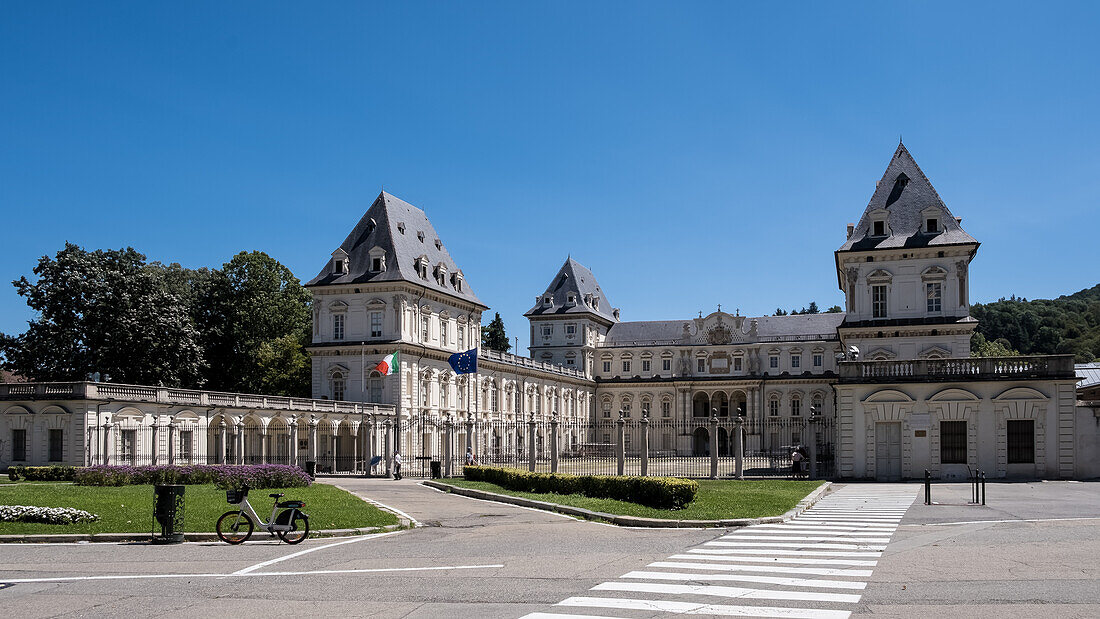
(311, 453)
(714, 444)
(154, 448)
(554, 443)
(645, 446)
(106, 442)
(739, 449)
(813, 443)
(239, 441)
(387, 453)
(531, 443)
(292, 451)
(448, 445)
(172, 432)
(355, 449)
(368, 445)
(335, 435)
(263, 445)
(620, 444)
(470, 436)
(221, 442)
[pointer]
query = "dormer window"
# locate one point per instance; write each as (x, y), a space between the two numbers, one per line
(456, 280)
(438, 244)
(422, 267)
(339, 266)
(572, 298)
(595, 303)
(401, 227)
(420, 235)
(441, 274)
(932, 225)
(376, 265)
(548, 300)
(878, 228)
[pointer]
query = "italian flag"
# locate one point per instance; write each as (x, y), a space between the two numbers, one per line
(389, 364)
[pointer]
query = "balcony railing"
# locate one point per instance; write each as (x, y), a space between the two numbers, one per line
(526, 362)
(180, 397)
(976, 368)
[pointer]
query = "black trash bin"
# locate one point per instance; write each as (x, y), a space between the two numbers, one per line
(436, 469)
(168, 513)
(311, 469)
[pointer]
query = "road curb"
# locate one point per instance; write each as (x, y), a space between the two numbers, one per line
(72, 538)
(633, 521)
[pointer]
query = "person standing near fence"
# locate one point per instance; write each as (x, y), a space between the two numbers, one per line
(796, 463)
(397, 465)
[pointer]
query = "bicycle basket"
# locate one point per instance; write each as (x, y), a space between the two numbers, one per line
(235, 496)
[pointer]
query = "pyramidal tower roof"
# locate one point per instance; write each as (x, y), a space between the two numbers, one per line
(907, 199)
(573, 277)
(403, 232)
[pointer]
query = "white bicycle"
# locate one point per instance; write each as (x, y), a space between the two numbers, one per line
(235, 527)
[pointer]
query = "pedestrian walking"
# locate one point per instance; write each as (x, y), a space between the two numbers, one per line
(397, 465)
(796, 464)
(470, 459)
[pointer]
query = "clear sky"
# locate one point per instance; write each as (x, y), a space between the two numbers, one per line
(690, 154)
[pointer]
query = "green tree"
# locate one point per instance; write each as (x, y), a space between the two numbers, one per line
(105, 311)
(780, 312)
(834, 310)
(981, 347)
(493, 336)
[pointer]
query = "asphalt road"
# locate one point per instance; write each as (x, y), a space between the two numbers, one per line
(480, 559)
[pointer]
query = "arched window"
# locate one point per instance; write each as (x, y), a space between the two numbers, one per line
(773, 406)
(494, 402)
(817, 402)
(375, 386)
(796, 406)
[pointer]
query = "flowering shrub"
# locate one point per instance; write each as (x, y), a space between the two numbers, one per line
(658, 492)
(45, 515)
(228, 476)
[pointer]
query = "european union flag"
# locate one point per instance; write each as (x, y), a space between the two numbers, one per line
(464, 362)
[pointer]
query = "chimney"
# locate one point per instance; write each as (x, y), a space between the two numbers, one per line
(959, 220)
(851, 229)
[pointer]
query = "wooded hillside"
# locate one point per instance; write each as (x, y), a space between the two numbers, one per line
(1067, 325)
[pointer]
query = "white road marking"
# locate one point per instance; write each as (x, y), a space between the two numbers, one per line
(794, 536)
(293, 555)
(727, 592)
(381, 505)
(249, 574)
(690, 608)
(944, 524)
(769, 580)
(870, 554)
(809, 571)
(805, 545)
(804, 560)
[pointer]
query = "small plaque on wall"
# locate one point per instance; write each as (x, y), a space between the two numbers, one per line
(920, 434)
(919, 421)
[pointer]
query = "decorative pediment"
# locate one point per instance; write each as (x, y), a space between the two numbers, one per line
(935, 352)
(880, 354)
(934, 272)
(880, 276)
(338, 306)
(718, 329)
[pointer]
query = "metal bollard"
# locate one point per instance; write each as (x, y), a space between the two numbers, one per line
(927, 487)
(983, 487)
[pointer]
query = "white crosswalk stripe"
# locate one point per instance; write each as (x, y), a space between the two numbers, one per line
(797, 569)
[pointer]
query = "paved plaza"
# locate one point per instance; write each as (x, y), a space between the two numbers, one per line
(863, 549)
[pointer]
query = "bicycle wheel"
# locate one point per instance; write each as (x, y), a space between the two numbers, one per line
(234, 527)
(300, 530)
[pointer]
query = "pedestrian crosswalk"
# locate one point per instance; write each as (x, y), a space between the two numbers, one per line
(811, 567)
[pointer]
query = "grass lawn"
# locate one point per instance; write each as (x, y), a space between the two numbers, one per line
(716, 500)
(129, 509)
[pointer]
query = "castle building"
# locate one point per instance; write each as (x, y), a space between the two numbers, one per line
(893, 371)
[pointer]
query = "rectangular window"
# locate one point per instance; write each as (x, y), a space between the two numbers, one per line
(626, 409)
(666, 365)
(796, 408)
(953, 442)
(462, 338)
(127, 440)
(773, 408)
(493, 399)
(773, 362)
(626, 366)
(796, 361)
(570, 329)
(607, 366)
(645, 409)
(425, 329)
(933, 225)
(57, 445)
(19, 445)
(701, 365)
(547, 330)
(376, 264)
(338, 327)
(442, 332)
(819, 359)
(607, 438)
(646, 366)
(878, 301)
(880, 228)
(1021, 441)
(376, 324)
(666, 409)
(186, 450)
(737, 364)
(934, 292)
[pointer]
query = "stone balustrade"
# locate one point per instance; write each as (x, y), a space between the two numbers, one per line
(969, 368)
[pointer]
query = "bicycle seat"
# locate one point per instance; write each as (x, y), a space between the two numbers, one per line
(275, 496)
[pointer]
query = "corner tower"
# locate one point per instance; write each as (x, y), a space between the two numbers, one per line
(904, 271)
(570, 318)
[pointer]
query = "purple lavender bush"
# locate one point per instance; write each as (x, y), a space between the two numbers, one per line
(227, 476)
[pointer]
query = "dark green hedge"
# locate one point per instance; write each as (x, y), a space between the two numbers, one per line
(658, 492)
(41, 473)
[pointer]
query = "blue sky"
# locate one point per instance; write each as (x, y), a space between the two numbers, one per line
(690, 154)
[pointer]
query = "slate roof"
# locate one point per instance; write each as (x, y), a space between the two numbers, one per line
(576, 278)
(381, 226)
(767, 328)
(904, 192)
(1089, 375)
